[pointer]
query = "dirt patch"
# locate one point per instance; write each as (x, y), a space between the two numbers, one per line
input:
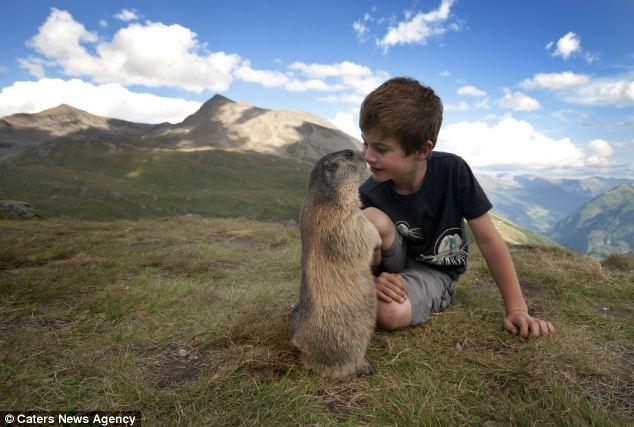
(178, 365)
(615, 311)
(344, 399)
(276, 364)
(498, 347)
(498, 382)
(241, 240)
(37, 320)
(530, 289)
(170, 266)
(146, 242)
(481, 284)
(232, 238)
(81, 259)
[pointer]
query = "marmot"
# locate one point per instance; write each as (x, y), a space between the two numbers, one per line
(334, 321)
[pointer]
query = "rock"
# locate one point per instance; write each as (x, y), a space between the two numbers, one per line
(16, 209)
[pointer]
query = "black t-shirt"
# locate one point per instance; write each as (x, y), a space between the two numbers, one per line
(431, 219)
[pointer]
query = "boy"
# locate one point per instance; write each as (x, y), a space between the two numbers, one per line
(417, 202)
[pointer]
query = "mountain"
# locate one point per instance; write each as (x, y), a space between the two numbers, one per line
(227, 159)
(603, 226)
(219, 123)
(537, 203)
(230, 125)
(21, 131)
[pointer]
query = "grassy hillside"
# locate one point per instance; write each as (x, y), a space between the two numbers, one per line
(514, 234)
(184, 319)
(102, 180)
(603, 226)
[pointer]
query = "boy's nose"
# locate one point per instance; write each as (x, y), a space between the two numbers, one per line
(367, 156)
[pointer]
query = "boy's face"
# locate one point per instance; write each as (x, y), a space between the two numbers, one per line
(386, 158)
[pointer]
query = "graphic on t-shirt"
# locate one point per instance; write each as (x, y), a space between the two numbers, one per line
(410, 233)
(448, 249)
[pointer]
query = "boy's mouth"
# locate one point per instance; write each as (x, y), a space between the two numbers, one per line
(375, 170)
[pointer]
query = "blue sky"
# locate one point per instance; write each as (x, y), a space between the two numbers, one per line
(539, 87)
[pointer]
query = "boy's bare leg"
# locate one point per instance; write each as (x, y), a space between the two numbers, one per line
(392, 311)
(394, 315)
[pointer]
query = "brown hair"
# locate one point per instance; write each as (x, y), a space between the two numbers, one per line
(403, 108)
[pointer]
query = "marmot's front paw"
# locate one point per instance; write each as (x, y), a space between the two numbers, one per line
(366, 369)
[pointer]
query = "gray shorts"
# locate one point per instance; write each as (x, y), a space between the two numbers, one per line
(428, 290)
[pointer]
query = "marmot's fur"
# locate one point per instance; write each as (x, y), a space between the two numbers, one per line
(334, 321)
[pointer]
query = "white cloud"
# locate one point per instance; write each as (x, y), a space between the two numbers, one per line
(347, 98)
(263, 77)
(600, 151)
(483, 104)
(570, 45)
(518, 101)
(567, 45)
(126, 15)
(35, 66)
(509, 143)
(471, 91)
(60, 37)
(111, 100)
(348, 75)
(152, 54)
(561, 115)
(444, 73)
(347, 123)
(562, 80)
(618, 91)
(157, 55)
(461, 106)
(360, 30)
(417, 29)
(103, 23)
(311, 84)
(4, 69)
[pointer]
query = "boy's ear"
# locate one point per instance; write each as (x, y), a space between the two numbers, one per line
(424, 151)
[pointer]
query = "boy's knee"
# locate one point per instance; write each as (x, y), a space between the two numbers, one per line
(383, 225)
(394, 315)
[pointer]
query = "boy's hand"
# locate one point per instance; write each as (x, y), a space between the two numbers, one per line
(389, 287)
(521, 322)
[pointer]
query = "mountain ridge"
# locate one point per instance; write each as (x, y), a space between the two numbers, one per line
(220, 122)
(602, 226)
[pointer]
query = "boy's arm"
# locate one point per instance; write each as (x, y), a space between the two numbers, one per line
(498, 259)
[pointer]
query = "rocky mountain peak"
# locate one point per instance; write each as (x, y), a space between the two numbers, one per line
(216, 102)
(63, 110)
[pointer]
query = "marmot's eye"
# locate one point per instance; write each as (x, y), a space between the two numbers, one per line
(347, 153)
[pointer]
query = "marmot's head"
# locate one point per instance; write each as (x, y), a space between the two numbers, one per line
(337, 176)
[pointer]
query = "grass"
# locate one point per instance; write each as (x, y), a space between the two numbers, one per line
(91, 180)
(185, 320)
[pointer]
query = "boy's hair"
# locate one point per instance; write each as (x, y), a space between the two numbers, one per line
(403, 108)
